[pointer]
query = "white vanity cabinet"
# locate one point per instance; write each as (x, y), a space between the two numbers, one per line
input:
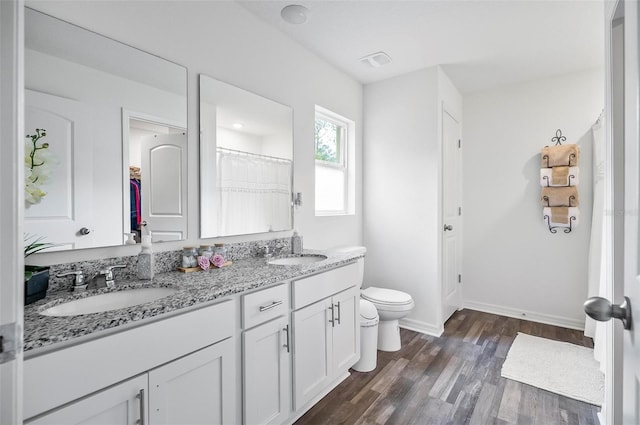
(326, 333)
(189, 390)
(266, 358)
(182, 368)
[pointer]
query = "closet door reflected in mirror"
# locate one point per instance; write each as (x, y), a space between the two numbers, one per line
(83, 89)
(246, 161)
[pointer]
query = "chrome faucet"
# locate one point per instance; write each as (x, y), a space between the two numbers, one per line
(104, 278)
(79, 280)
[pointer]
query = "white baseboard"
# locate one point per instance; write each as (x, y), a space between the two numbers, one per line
(548, 319)
(421, 327)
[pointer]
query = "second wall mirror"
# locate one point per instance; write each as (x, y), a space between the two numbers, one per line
(246, 161)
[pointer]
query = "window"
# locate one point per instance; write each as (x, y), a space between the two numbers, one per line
(333, 175)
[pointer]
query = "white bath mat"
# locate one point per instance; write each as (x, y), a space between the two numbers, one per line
(560, 367)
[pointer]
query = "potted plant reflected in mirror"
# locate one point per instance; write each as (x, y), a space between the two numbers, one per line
(36, 278)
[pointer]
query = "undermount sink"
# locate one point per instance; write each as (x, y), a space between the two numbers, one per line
(109, 301)
(294, 261)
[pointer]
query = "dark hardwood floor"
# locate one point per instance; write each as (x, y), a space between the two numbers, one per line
(454, 379)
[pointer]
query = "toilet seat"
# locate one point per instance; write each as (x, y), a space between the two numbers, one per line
(388, 299)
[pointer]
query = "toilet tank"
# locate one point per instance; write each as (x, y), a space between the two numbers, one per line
(353, 250)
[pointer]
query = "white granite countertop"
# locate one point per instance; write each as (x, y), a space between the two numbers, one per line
(41, 332)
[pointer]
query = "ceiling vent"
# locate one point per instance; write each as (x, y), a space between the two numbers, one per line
(376, 60)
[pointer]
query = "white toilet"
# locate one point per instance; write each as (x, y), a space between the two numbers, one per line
(392, 305)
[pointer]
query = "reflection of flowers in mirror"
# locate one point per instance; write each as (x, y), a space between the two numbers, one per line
(38, 161)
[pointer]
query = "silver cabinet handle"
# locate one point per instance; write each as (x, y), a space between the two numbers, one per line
(140, 396)
(333, 316)
(84, 231)
(274, 304)
(286, 331)
(339, 313)
(601, 309)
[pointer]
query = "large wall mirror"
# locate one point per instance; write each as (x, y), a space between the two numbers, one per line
(246, 168)
(106, 157)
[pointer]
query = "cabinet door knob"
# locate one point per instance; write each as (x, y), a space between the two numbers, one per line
(84, 231)
(448, 227)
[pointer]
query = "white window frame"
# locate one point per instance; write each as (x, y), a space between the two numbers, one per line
(345, 160)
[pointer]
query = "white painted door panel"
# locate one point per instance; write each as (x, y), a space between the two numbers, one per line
(311, 348)
(196, 389)
(60, 214)
(118, 405)
(266, 373)
(163, 186)
(631, 338)
(346, 332)
(451, 252)
(11, 218)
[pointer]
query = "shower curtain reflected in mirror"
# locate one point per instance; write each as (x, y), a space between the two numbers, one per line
(254, 192)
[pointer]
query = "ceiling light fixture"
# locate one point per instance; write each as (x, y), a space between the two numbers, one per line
(294, 14)
(376, 60)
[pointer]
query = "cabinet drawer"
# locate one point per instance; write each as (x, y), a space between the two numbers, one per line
(313, 288)
(263, 305)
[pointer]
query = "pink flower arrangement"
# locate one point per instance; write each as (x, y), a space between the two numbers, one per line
(203, 262)
(217, 260)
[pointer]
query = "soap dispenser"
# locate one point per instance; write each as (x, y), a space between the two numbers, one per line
(145, 259)
(296, 243)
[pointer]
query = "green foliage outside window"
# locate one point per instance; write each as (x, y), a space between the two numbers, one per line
(328, 135)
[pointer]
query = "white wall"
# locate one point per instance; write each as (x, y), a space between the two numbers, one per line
(226, 42)
(512, 264)
(402, 187)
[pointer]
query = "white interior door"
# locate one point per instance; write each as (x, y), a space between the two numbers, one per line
(11, 259)
(451, 216)
(62, 212)
(631, 279)
(622, 404)
(163, 186)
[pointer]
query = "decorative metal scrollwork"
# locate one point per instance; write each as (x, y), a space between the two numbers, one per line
(554, 229)
(572, 198)
(547, 179)
(559, 138)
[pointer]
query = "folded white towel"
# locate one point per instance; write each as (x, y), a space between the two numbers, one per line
(572, 180)
(573, 212)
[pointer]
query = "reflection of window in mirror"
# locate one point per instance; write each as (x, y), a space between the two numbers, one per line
(334, 163)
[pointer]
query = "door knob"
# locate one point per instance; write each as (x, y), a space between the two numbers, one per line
(602, 310)
(84, 231)
(448, 227)
(143, 223)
